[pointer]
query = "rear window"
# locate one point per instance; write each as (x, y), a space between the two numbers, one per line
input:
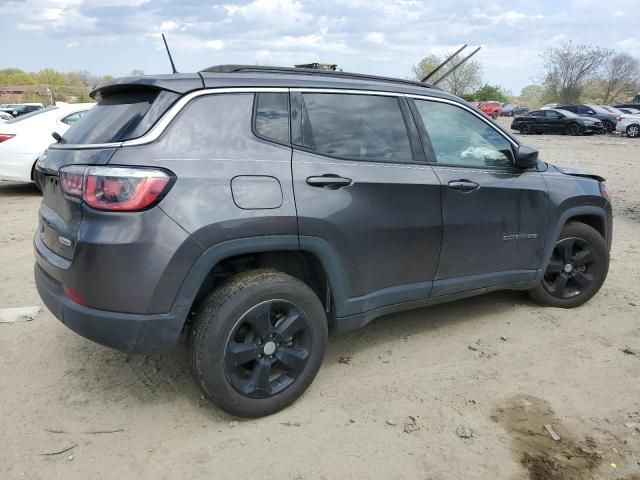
(120, 116)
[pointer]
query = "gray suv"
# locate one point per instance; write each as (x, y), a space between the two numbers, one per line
(256, 210)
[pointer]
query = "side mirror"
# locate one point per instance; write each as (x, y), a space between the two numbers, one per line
(526, 157)
(56, 136)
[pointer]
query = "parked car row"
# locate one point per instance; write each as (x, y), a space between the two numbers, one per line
(583, 119)
(25, 138)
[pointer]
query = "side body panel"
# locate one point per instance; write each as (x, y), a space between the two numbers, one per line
(207, 146)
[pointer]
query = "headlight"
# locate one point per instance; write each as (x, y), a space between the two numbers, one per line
(604, 191)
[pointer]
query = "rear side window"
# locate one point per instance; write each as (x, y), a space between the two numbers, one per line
(359, 127)
(272, 116)
(120, 116)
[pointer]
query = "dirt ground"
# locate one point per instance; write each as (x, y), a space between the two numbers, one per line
(497, 364)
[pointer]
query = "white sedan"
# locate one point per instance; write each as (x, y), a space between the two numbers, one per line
(25, 138)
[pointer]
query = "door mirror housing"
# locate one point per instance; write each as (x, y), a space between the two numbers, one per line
(526, 157)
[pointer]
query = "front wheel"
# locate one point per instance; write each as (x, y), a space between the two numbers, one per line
(257, 342)
(577, 268)
(608, 126)
(494, 115)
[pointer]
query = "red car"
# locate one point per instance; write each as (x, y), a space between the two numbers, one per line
(491, 109)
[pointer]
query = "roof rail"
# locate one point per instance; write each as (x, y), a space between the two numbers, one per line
(309, 71)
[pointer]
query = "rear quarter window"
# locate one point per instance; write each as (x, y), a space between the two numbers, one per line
(120, 116)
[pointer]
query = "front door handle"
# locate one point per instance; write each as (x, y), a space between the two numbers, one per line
(330, 181)
(463, 185)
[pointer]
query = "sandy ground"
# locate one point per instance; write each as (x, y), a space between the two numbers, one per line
(389, 412)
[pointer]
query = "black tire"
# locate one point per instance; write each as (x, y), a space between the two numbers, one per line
(526, 129)
(573, 129)
(494, 115)
(608, 126)
(585, 251)
(633, 131)
(232, 317)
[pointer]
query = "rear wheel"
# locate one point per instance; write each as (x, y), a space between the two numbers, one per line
(573, 129)
(608, 126)
(633, 131)
(577, 268)
(526, 129)
(494, 115)
(257, 342)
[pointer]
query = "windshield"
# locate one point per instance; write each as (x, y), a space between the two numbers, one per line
(613, 110)
(599, 109)
(32, 114)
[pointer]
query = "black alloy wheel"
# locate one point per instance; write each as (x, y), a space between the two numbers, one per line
(577, 268)
(573, 129)
(571, 268)
(257, 341)
(526, 129)
(268, 349)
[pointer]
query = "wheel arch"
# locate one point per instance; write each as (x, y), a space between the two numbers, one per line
(595, 217)
(315, 264)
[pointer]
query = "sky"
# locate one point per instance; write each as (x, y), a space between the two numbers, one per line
(382, 37)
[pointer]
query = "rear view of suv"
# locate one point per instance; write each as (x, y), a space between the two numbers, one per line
(259, 209)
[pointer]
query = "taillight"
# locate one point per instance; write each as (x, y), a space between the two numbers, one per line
(6, 136)
(120, 189)
(620, 118)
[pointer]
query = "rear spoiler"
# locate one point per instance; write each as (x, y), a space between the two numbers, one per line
(178, 83)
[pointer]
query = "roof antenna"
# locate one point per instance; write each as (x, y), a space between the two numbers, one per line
(452, 69)
(173, 67)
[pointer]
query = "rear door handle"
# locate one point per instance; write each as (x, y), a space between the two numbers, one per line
(463, 185)
(330, 181)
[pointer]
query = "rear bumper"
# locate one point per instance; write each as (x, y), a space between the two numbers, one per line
(127, 332)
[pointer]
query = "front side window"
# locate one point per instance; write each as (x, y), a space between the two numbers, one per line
(272, 116)
(358, 127)
(460, 138)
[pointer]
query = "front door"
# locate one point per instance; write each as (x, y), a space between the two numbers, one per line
(494, 215)
(365, 197)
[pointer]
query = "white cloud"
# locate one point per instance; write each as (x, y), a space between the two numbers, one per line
(510, 17)
(375, 37)
(278, 12)
(72, 44)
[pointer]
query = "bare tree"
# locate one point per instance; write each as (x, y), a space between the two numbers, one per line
(620, 77)
(569, 68)
(463, 81)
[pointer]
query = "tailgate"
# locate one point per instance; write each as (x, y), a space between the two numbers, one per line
(60, 216)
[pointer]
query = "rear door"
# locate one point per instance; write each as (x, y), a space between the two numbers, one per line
(494, 215)
(365, 197)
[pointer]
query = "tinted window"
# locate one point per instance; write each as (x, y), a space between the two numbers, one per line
(272, 116)
(362, 127)
(73, 118)
(537, 113)
(460, 138)
(552, 114)
(120, 116)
